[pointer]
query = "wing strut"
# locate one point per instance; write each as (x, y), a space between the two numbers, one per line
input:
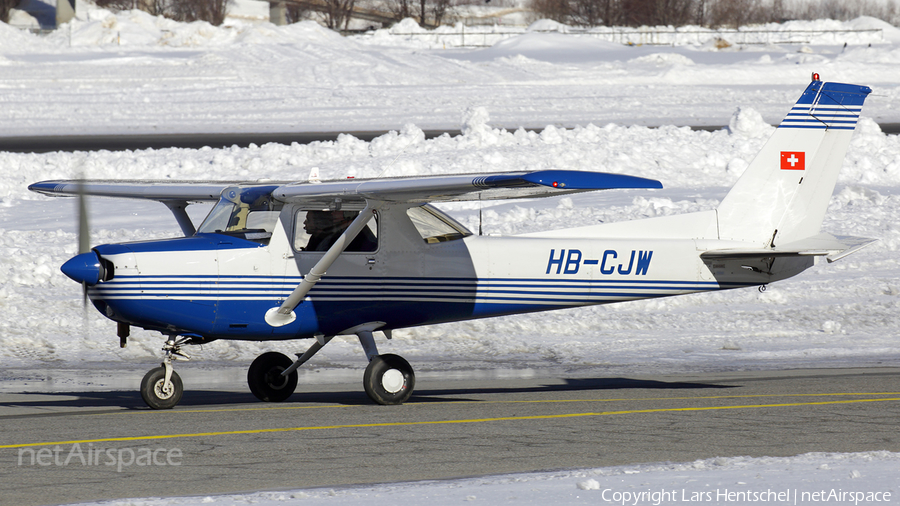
(284, 315)
(179, 209)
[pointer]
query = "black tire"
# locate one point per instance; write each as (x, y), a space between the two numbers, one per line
(265, 379)
(382, 382)
(155, 395)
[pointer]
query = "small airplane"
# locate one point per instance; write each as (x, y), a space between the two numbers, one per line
(318, 259)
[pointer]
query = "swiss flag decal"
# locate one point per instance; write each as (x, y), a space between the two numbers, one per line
(793, 160)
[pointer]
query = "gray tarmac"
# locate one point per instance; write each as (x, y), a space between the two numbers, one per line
(62, 447)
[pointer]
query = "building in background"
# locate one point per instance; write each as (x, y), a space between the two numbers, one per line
(46, 14)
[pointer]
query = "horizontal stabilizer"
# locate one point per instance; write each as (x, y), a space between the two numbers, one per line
(831, 247)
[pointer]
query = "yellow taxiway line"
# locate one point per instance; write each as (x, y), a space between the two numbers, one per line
(536, 401)
(458, 421)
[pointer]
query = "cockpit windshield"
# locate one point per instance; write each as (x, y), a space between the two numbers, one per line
(250, 213)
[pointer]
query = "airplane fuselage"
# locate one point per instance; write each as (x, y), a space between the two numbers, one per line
(217, 286)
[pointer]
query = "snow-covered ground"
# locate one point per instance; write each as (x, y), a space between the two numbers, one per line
(815, 478)
(133, 73)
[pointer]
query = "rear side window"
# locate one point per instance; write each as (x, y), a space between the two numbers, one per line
(435, 226)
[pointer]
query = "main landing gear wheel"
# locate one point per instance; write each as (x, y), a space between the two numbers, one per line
(155, 392)
(389, 379)
(265, 379)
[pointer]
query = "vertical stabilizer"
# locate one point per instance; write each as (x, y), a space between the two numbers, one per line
(783, 194)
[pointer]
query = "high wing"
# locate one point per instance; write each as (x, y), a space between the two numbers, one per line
(191, 191)
(508, 185)
(416, 189)
(176, 195)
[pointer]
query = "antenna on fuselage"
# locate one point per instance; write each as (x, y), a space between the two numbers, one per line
(389, 165)
(479, 220)
(314, 176)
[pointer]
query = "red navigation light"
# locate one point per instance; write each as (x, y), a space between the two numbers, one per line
(555, 184)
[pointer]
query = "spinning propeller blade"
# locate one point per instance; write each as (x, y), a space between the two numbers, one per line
(84, 234)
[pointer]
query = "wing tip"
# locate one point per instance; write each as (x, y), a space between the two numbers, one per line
(584, 180)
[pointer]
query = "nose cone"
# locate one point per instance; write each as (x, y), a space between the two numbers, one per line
(84, 268)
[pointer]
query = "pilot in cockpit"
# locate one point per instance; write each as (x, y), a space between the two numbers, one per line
(324, 228)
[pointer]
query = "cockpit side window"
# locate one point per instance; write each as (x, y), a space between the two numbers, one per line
(317, 230)
(435, 226)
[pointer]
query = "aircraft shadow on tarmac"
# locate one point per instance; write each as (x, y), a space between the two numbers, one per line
(128, 399)
(197, 398)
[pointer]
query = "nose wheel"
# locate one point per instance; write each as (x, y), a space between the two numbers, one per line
(161, 387)
(159, 393)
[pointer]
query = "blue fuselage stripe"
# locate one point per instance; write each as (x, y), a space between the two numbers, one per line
(209, 305)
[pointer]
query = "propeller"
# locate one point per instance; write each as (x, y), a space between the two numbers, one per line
(84, 237)
(86, 267)
(84, 233)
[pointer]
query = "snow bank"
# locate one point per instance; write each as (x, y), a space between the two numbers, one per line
(15, 38)
(101, 27)
(550, 47)
(135, 28)
(863, 30)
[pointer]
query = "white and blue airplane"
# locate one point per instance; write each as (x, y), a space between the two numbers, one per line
(318, 259)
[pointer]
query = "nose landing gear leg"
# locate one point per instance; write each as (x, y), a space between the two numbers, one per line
(161, 387)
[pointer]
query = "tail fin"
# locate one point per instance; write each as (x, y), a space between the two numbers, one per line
(783, 194)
